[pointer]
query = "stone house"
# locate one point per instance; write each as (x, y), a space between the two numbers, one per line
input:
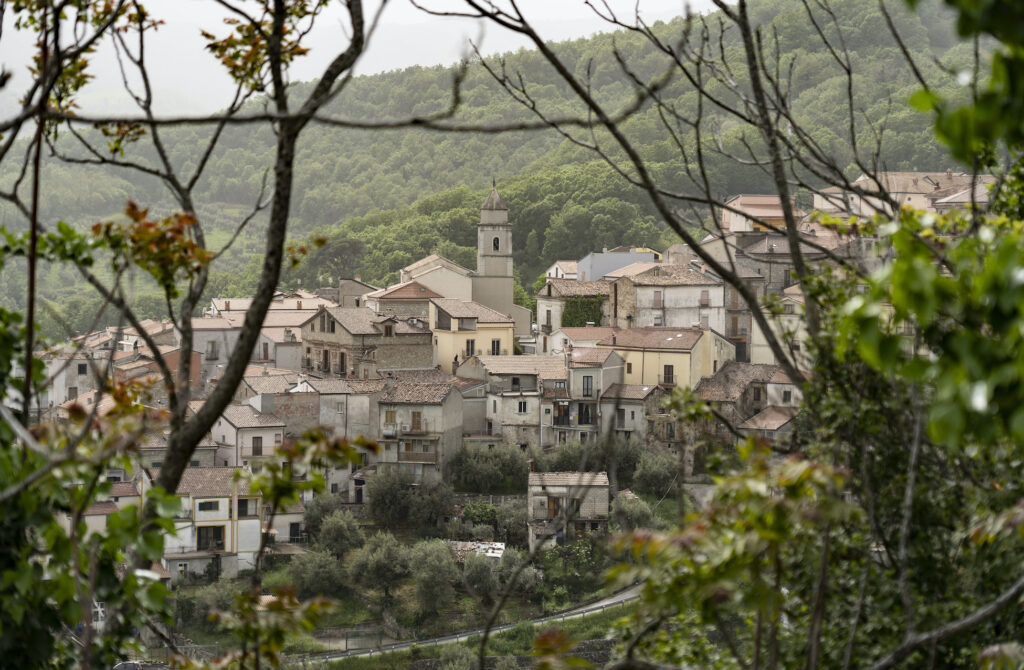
(668, 295)
(738, 391)
(636, 412)
(462, 329)
(771, 423)
(351, 291)
(551, 305)
(420, 426)
(515, 390)
(358, 342)
(566, 505)
(574, 412)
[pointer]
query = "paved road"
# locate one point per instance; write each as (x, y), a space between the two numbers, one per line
(614, 600)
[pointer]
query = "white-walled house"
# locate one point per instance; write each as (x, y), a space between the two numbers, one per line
(220, 523)
(561, 270)
(244, 435)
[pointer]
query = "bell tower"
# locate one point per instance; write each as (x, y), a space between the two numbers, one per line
(494, 238)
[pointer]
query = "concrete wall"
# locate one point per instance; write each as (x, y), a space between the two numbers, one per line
(555, 306)
(299, 411)
(515, 427)
(225, 343)
(711, 352)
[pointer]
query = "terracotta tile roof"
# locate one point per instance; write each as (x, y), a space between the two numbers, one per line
(346, 386)
(418, 375)
(770, 418)
(364, 321)
(632, 270)
(546, 367)
(568, 267)
(683, 339)
(780, 377)
(243, 416)
(101, 508)
(434, 260)
(410, 290)
(589, 356)
(217, 322)
(297, 301)
(729, 383)
(467, 309)
(759, 205)
(123, 490)
(212, 482)
(257, 370)
(674, 275)
(411, 393)
(268, 384)
(568, 479)
(466, 383)
(551, 393)
(290, 335)
(568, 288)
(588, 332)
(287, 317)
(629, 391)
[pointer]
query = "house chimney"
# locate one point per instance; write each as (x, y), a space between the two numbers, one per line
(604, 250)
(358, 278)
(949, 173)
(227, 305)
(613, 339)
(265, 371)
(704, 322)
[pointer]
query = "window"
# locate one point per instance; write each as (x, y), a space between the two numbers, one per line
(757, 394)
(257, 446)
(670, 375)
(323, 322)
(209, 506)
(670, 431)
(787, 396)
(629, 368)
(334, 486)
(515, 384)
(389, 416)
(495, 347)
(705, 298)
(620, 417)
(522, 407)
(194, 464)
(330, 326)
(277, 438)
(417, 421)
(157, 464)
(658, 321)
(83, 368)
(657, 300)
(796, 346)
(211, 350)
(389, 330)
(72, 392)
(586, 415)
(494, 406)
(210, 538)
(470, 348)
(714, 367)
(496, 243)
(560, 384)
(632, 415)
(588, 386)
(787, 309)
(248, 507)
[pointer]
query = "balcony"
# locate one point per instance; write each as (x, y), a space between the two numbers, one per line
(417, 457)
(545, 328)
(667, 380)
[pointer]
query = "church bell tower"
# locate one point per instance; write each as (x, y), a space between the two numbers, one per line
(494, 238)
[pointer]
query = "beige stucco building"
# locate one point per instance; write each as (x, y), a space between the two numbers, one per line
(670, 356)
(463, 329)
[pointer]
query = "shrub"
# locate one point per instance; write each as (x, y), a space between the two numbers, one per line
(511, 524)
(483, 533)
(434, 572)
(430, 503)
(380, 562)
(479, 469)
(656, 472)
(630, 512)
(457, 657)
(479, 576)
(317, 572)
(340, 533)
(479, 511)
(318, 509)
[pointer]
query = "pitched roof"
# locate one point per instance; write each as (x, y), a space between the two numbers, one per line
(416, 394)
(268, 384)
(494, 201)
(584, 357)
(418, 375)
(682, 339)
(123, 490)
(101, 507)
(257, 370)
(294, 302)
(346, 386)
(588, 332)
(759, 206)
(435, 260)
(674, 275)
(568, 267)
(228, 322)
(243, 416)
(546, 367)
(629, 391)
(732, 379)
(287, 317)
(467, 309)
(290, 335)
(410, 290)
(364, 321)
(212, 482)
(770, 418)
(568, 479)
(633, 269)
(567, 288)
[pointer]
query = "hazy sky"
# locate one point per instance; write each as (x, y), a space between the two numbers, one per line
(188, 80)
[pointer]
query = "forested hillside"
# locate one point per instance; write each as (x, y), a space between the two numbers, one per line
(385, 198)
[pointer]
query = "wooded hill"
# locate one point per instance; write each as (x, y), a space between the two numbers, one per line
(382, 199)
